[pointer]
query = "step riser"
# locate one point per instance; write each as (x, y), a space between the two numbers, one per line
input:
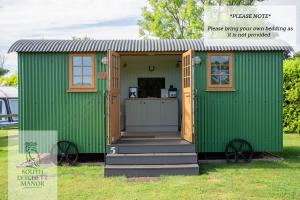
(151, 160)
(140, 149)
(151, 172)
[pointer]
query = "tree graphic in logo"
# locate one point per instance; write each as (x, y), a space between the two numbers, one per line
(32, 154)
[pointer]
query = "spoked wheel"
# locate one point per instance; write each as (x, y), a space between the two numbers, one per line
(238, 149)
(64, 152)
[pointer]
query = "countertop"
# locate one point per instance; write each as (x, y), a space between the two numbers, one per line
(150, 98)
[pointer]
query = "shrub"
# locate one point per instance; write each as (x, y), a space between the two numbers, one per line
(291, 96)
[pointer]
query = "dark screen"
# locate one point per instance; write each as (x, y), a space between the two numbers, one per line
(150, 87)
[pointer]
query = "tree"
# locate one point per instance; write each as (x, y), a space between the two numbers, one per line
(2, 63)
(172, 19)
(178, 18)
(297, 55)
(229, 2)
(11, 80)
(81, 38)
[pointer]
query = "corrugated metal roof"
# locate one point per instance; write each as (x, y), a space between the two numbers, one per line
(246, 45)
(8, 92)
(150, 45)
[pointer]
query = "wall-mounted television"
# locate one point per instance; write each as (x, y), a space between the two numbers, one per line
(150, 87)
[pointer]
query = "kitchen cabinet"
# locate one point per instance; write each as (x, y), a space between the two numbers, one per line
(151, 114)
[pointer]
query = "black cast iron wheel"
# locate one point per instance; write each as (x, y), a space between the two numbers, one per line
(238, 150)
(64, 152)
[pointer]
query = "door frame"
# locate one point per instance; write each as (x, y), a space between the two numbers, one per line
(120, 54)
(114, 93)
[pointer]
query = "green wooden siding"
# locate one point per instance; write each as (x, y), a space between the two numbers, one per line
(253, 112)
(45, 103)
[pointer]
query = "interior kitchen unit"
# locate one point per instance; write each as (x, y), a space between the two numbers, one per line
(150, 93)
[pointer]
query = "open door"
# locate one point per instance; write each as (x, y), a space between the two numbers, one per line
(113, 97)
(187, 96)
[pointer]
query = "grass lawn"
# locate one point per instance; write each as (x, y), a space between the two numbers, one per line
(257, 180)
(4, 133)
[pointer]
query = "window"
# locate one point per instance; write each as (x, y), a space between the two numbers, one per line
(82, 73)
(220, 72)
(187, 71)
(3, 110)
(13, 103)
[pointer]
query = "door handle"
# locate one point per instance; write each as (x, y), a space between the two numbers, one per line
(112, 98)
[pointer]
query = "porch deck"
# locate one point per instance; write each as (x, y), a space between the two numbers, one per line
(159, 138)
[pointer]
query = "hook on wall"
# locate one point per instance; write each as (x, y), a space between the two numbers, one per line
(151, 68)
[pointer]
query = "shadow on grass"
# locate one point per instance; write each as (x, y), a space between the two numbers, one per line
(207, 168)
(290, 152)
(291, 155)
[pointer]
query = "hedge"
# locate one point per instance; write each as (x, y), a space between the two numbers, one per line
(291, 96)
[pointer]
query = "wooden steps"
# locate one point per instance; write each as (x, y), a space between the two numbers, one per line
(140, 156)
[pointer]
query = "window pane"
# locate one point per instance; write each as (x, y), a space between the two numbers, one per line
(219, 59)
(214, 70)
(224, 59)
(13, 103)
(87, 71)
(77, 61)
(215, 59)
(3, 110)
(224, 80)
(77, 80)
(77, 71)
(224, 70)
(87, 60)
(87, 80)
(215, 80)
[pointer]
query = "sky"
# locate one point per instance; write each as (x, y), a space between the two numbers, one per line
(63, 19)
